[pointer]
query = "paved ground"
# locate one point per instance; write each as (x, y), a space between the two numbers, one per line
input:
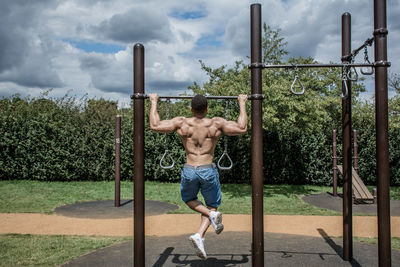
(290, 240)
(104, 209)
(233, 249)
(328, 201)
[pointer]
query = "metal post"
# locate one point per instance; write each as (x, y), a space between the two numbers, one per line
(346, 144)
(138, 157)
(382, 143)
(256, 140)
(355, 152)
(117, 198)
(335, 169)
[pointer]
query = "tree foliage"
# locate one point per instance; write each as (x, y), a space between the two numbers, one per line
(394, 81)
(73, 139)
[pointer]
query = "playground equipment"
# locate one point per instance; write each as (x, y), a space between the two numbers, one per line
(166, 152)
(117, 200)
(225, 153)
(360, 193)
(381, 100)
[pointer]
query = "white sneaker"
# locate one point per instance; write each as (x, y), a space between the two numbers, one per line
(198, 244)
(216, 221)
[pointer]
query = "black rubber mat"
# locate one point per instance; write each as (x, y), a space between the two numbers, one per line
(328, 201)
(233, 249)
(104, 209)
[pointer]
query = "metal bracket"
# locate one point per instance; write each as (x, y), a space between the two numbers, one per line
(347, 58)
(256, 65)
(138, 96)
(380, 32)
(382, 63)
(256, 97)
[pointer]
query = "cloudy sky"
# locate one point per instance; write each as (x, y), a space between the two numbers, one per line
(85, 46)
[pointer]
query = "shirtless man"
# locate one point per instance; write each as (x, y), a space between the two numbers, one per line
(199, 136)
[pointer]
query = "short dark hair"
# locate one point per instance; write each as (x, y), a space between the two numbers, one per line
(199, 103)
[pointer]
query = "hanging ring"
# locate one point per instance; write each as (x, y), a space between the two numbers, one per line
(350, 75)
(166, 153)
(296, 78)
(225, 154)
(366, 70)
(166, 167)
(345, 72)
(346, 89)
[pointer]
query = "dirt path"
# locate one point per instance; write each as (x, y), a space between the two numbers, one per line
(178, 224)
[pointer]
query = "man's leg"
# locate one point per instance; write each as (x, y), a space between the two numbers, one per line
(211, 191)
(198, 238)
(196, 205)
(205, 222)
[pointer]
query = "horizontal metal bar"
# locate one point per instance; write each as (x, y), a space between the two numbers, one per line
(290, 66)
(249, 97)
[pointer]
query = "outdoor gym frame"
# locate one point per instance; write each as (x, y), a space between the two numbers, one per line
(382, 148)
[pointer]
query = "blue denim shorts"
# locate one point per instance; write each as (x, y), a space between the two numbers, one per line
(204, 179)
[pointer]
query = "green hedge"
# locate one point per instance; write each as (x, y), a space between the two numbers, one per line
(69, 139)
(59, 139)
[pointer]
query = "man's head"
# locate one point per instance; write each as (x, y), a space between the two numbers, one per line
(199, 105)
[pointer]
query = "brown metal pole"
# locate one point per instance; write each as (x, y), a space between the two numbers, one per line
(346, 145)
(335, 169)
(117, 198)
(138, 157)
(256, 140)
(382, 143)
(355, 152)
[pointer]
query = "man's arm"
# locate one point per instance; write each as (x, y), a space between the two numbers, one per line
(239, 127)
(163, 126)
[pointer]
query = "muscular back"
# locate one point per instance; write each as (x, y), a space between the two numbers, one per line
(199, 134)
(199, 137)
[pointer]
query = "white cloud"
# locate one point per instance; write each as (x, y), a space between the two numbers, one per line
(36, 54)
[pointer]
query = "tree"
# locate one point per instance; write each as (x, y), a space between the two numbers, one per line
(394, 82)
(273, 45)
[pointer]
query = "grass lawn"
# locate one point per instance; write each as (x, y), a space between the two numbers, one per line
(43, 197)
(48, 250)
(395, 241)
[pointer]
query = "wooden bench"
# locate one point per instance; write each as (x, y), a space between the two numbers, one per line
(360, 191)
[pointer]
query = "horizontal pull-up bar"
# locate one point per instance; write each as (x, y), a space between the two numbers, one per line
(333, 65)
(249, 97)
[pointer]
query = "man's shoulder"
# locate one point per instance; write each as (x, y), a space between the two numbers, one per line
(180, 119)
(218, 121)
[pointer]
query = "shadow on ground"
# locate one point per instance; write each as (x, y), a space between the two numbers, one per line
(234, 249)
(104, 209)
